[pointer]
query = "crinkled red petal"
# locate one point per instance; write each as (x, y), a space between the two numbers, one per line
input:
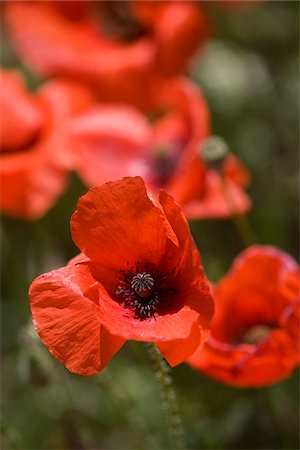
(65, 310)
(178, 350)
(117, 223)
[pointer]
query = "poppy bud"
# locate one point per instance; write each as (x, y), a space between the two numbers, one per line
(214, 151)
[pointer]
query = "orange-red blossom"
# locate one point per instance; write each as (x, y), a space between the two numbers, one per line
(255, 330)
(116, 47)
(34, 164)
(111, 141)
(139, 277)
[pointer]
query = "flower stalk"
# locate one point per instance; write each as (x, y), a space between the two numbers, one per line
(214, 152)
(240, 221)
(168, 394)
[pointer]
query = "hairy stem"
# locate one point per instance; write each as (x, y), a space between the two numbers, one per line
(164, 378)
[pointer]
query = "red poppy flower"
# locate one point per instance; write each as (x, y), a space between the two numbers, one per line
(115, 46)
(139, 277)
(34, 164)
(109, 142)
(255, 330)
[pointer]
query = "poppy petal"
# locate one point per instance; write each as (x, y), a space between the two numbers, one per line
(192, 273)
(22, 112)
(257, 273)
(236, 171)
(65, 311)
(181, 29)
(31, 180)
(255, 331)
(106, 135)
(159, 328)
(247, 365)
(178, 27)
(220, 200)
(116, 223)
(178, 350)
(64, 47)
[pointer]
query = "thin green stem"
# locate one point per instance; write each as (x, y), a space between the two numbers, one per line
(164, 378)
(244, 228)
(240, 221)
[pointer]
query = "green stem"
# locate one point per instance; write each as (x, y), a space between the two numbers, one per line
(240, 221)
(244, 228)
(164, 378)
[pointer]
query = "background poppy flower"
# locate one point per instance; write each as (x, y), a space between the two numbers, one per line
(164, 148)
(222, 193)
(255, 330)
(34, 161)
(139, 277)
(179, 28)
(115, 46)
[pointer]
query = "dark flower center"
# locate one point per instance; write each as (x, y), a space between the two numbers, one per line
(142, 284)
(165, 161)
(117, 20)
(253, 334)
(256, 334)
(145, 289)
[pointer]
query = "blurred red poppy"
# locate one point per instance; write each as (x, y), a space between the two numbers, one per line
(109, 142)
(255, 330)
(114, 45)
(34, 163)
(139, 277)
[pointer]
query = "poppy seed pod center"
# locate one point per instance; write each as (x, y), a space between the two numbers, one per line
(117, 20)
(142, 283)
(145, 289)
(164, 164)
(257, 333)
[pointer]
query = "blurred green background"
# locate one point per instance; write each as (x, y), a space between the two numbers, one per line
(249, 74)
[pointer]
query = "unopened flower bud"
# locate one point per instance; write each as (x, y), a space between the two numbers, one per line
(213, 152)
